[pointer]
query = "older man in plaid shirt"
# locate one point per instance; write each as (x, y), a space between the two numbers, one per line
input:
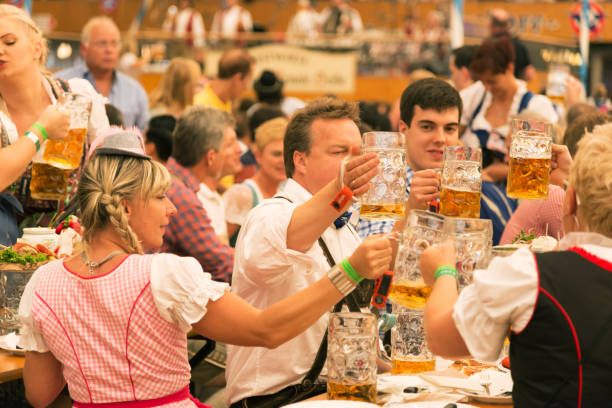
(190, 233)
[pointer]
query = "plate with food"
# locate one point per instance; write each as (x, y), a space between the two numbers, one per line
(495, 387)
(504, 364)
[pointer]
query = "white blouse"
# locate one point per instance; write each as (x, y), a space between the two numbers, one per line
(505, 293)
(181, 291)
(471, 97)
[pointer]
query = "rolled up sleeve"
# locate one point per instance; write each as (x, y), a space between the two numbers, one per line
(500, 297)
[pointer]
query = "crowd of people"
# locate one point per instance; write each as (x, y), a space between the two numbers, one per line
(192, 188)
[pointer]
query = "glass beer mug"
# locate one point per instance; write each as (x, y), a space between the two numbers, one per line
(473, 243)
(556, 83)
(387, 194)
(351, 356)
(421, 230)
(461, 182)
(530, 154)
(66, 154)
(409, 352)
(48, 182)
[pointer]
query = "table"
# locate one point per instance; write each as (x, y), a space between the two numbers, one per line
(11, 366)
(323, 397)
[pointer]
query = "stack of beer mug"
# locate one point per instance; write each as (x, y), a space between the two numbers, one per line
(54, 162)
(353, 337)
(460, 182)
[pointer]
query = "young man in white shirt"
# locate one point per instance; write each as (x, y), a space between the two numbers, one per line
(277, 252)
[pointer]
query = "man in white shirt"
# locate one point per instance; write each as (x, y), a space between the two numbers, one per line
(186, 23)
(231, 20)
(277, 253)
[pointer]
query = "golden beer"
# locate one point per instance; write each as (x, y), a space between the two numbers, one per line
(381, 211)
(557, 99)
(459, 203)
(352, 392)
(66, 154)
(48, 182)
(412, 294)
(411, 366)
(528, 178)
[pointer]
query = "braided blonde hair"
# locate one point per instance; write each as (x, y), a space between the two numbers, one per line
(17, 14)
(102, 191)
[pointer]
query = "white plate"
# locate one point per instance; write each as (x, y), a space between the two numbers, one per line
(331, 404)
(500, 382)
(9, 343)
(431, 404)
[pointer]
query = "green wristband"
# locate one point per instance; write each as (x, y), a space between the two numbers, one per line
(445, 270)
(41, 129)
(34, 139)
(350, 271)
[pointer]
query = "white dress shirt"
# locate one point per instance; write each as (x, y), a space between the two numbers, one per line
(265, 272)
(226, 23)
(213, 204)
(505, 294)
(197, 26)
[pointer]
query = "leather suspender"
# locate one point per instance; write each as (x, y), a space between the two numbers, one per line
(351, 302)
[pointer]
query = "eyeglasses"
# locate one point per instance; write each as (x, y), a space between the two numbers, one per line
(106, 44)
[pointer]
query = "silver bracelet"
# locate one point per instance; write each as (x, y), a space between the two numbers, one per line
(341, 280)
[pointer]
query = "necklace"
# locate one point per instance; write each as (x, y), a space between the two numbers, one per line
(91, 264)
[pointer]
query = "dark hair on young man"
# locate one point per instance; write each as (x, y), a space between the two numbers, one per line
(114, 115)
(236, 61)
(494, 56)
(159, 133)
(581, 125)
(464, 56)
(429, 93)
(261, 115)
(298, 136)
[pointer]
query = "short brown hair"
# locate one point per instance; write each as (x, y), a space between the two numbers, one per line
(581, 125)
(234, 62)
(298, 136)
(494, 56)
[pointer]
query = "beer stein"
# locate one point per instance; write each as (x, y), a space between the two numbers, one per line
(66, 154)
(12, 285)
(409, 352)
(421, 230)
(461, 182)
(351, 356)
(530, 154)
(556, 84)
(473, 239)
(48, 182)
(387, 194)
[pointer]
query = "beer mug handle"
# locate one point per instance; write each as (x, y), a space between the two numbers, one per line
(343, 170)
